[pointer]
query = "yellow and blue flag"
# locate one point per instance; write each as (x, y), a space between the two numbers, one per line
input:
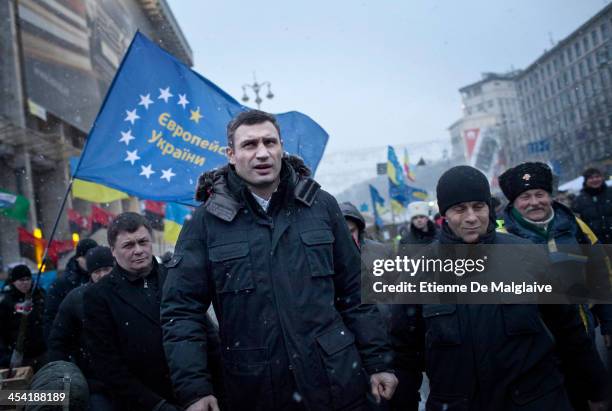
(378, 206)
(176, 215)
(161, 125)
(409, 174)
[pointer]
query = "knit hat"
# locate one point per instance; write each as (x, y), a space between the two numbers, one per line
(418, 208)
(83, 246)
(591, 171)
(462, 184)
(525, 176)
(18, 272)
(99, 257)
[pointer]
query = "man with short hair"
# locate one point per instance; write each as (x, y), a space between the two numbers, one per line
(494, 356)
(532, 214)
(272, 252)
(594, 204)
(122, 330)
(76, 274)
(422, 229)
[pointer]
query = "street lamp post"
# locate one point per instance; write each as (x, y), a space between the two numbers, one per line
(256, 88)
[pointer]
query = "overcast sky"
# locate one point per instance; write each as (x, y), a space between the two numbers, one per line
(371, 72)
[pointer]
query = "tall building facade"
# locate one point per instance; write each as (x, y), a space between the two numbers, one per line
(57, 59)
(557, 110)
(566, 101)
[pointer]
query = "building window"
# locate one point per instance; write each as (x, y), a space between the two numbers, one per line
(604, 31)
(594, 38)
(480, 107)
(490, 103)
(588, 64)
(585, 43)
(577, 49)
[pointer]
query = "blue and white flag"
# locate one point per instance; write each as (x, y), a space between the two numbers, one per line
(162, 125)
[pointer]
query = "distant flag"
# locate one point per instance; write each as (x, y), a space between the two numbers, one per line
(397, 207)
(176, 215)
(394, 171)
(397, 183)
(99, 218)
(95, 193)
(78, 223)
(378, 206)
(417, 194)
(154, 212)
(364, 208)
(14, 206)
(407, 170)
(162, 124)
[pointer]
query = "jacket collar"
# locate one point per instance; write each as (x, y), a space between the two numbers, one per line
(131, 294)
(224, 193)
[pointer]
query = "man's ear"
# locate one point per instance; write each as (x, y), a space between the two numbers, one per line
(229, 152)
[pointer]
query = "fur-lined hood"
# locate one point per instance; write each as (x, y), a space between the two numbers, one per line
(212, 188)
(209, 180)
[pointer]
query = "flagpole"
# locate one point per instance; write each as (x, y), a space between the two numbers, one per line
(50, 239)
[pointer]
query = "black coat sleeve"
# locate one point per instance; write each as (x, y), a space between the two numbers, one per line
(408, 342)
(102, 342)
(363, 320)
(576, 348)
(64, 335)
(186, 297)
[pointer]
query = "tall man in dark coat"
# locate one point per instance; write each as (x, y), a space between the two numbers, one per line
(488, 357)
(594, 204)
(272, 252)
(75, 275)
(532, 214)
(122, 330)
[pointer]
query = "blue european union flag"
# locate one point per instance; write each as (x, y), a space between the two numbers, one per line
(162, 124)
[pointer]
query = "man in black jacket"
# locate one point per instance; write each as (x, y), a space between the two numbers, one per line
(500, 357)
(13, 307)
(67, 340)
(272, 252)
(594, 204)
(75, 275)
(122, 330)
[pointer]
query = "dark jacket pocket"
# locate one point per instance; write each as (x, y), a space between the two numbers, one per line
(318, 245)
(343, 367)
(442, 325)
(231, 265)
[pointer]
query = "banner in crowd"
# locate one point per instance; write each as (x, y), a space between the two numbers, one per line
(162, 125)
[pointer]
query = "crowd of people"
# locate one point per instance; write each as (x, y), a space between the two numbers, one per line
(280, 262)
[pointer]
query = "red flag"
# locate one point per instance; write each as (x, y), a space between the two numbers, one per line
(99, 218)
(78, 223)
(155, 211)
(470, 137)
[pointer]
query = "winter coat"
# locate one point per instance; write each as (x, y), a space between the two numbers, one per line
(67, 339)
(10, 321)
(491, 357)
(73, 277)
(416, 236)
(594, 206)
(124, 338)
(285, 286)
(569, 243)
